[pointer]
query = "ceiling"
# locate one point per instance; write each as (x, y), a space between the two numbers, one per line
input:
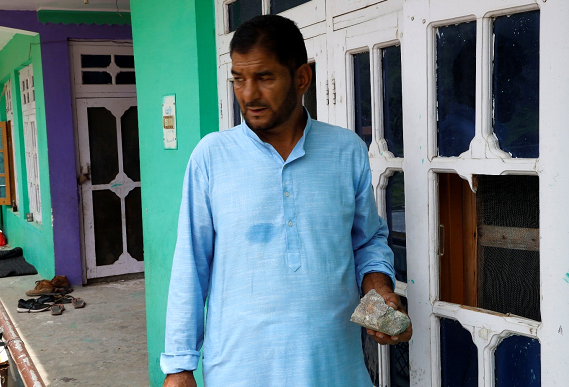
(74, 5)
(68, 5)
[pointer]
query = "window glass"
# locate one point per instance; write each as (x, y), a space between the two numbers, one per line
(130, 147)
(459, 356)
(133, 218)
(125, 61)
(236, 108)
(103, 146)
(126, 78)
(392, 99)
(456, 86)
(516, 83)
(88, 61)
(310, 95)
(362, 96)
(518, 362)
(278, 6)
(97, 78)
(395, 210)
(241, 11)
(108, 227)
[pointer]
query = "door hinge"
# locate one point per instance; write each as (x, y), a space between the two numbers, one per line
(220, 109)
(327, 93)
(334, 91)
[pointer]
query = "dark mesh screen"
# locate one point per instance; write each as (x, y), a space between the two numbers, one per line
(508, 244)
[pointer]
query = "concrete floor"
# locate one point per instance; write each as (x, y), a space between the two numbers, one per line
(101, 345)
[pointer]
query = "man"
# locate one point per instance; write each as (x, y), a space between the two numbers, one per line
(279, 230)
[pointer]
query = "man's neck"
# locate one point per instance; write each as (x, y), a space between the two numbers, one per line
(285, 136)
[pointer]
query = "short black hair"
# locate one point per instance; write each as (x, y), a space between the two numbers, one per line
(274, 33)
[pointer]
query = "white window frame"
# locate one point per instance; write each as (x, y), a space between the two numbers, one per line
(27, 95)
(10, 117)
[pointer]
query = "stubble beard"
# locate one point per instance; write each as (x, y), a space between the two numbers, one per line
(281, 115)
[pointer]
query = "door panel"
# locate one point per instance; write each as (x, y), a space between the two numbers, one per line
(110, 164)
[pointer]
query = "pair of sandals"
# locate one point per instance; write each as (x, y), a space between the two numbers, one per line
(57, 307)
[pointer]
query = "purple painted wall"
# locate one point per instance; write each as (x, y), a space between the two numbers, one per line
(59, 126)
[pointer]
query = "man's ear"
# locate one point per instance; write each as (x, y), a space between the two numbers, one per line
(303, 78)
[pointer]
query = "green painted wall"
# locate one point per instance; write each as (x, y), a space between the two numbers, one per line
(36, 240)
(174, 50)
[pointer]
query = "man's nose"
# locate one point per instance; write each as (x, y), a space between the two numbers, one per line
(251, 91)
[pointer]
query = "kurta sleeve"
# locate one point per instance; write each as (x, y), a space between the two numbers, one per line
(190, 275)
(370, 231)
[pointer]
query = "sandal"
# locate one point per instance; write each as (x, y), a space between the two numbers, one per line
(57, 309)
(78, 303)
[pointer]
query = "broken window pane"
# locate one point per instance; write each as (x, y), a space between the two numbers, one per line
(107, 227)
(395, 210)
(516, 83)
(508, 244)
(130, 147)
(362, 96)
(103, 146)
(241, 11)
(459, 356)
(518, 362)
(90, 61)
(310, 102)
(392, 99)
(133, 215)
(456, 87)
(278, 6)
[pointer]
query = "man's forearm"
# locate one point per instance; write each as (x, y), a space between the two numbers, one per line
(379, 281)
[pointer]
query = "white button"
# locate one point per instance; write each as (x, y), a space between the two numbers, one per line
(290, 224)
(284, 167)
(286, 194)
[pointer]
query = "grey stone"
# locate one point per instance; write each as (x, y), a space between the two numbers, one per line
(374, 313)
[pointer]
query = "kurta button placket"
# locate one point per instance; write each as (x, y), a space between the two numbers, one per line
(289, 213)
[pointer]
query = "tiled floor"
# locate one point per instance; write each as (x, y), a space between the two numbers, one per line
(102, 345)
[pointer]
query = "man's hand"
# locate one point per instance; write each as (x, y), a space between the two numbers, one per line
(182, 379)
(382, 285)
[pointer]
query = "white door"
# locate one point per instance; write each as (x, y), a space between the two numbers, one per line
(110, 189)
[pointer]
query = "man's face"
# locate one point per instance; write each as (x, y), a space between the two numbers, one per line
(264, 88)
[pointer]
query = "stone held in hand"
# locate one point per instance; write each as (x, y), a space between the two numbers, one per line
(374, 313)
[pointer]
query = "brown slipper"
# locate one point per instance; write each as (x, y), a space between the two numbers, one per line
(57, 309)
(78, 303)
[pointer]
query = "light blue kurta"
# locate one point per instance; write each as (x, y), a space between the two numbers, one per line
(280, 249)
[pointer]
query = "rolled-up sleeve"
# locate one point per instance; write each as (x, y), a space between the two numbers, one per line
(190, 275)
(369, 231)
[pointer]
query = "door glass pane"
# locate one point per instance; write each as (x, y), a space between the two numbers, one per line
(459, 357)
(107, 227)
(236, 109)
(130, 147)
(310, 95)
(125, 61)
(88, 61)
(2, 170)
(126, 78)
(102, 145)
(97, 78)
(456, 86)
(395, 209)
(241, 11)
(278, 6)
(516, 83)
(508, 244)
(133, 207)
(518, 362)
(371, 357)
(2, 187)
(399, 360)
(392, 99)
(362, 96)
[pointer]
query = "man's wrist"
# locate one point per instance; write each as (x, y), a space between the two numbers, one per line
(381, 282)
